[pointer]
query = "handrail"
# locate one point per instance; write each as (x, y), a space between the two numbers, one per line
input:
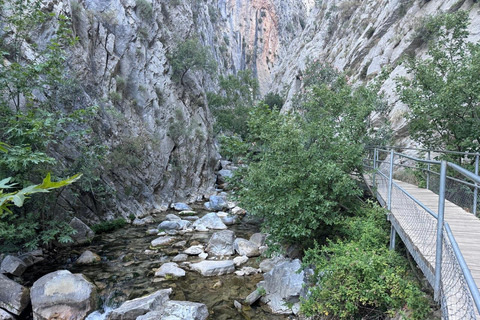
(466, 153)
(441, 225)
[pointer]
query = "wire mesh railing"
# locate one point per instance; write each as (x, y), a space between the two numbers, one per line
(422, 228)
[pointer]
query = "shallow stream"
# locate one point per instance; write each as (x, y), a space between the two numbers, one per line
(127, 271)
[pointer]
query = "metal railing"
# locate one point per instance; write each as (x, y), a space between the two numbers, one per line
(426, 234)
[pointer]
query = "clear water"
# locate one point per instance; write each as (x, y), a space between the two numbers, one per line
(127, 272)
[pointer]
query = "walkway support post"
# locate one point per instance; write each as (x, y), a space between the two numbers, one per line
(389, 199)
(428, 170)
(440, 223)
(475, 192)
(374, 166)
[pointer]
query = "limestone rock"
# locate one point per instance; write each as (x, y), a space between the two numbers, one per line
(172, 217)
(144, 221)
(181, 257)
(180, 206)
(238, 261)
(169, 225)
(223, 175)
(238, 211)
(13, 296)
(152, 232)
(258, 239)
(216, 203)
(88, 257)
(13, 265)
(162, 241)
(246, 248)
(283, 286)
(170, 268)
(132, 309)
(209, 221)
(194, 250)
(178, 310)
(221, 243)
(229, 221)
(4, 315)
(253, 297)
(213, 268)
(84, 233)
(268, 264)
(63, 295)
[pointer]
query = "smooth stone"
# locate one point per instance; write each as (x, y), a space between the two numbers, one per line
(13, 296)
(258, 239)
(187, 213)
(191, 218)
(152, 232)
(216, 203)
(180, 206)
(170, 268)
(132, 309)
(237, 305)
(238, 261)
(178, 310)
(181, 257)
(84, 233)
(238, 211)
(210, 221)
(194, 250)
(268, 264)
(180, 244)
(253, 297)
(162, 241)
(221, 243)
(169, 225)
(172, 217)
(88, 257)
(213, 268)
(13, 265)
(229, 221)
(63, 295)
(203, 255)
(246, 248)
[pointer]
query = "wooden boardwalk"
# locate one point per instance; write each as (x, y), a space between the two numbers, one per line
(420, 228)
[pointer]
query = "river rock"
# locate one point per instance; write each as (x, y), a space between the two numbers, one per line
(238, 261)
(172, 217)
(203, 255)
(268, 264)
(88, 257)
(28, 259)
(246, 248)
(238, 211)
(284, 286)
(194, 250)
(13, 265)
(209, 221)
(4, 315)
(229, 221)
(178, 310)
(63, 295)
(13, 296)
(169, 225)
(84, 233)
(253, 297)
(223, 175)
(132, 309)
(221, 243)
(152, 232)
(213, 268)
(216, 203)
(180, 206)
(191, 218)
(162, 241)
(258, 239)
(170, 268)
(187, 213)
(181, 257)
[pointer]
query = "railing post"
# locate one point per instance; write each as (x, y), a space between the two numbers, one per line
(428, 171)
(389, 199)
(374, 166)
(475, 191)
(440, 222)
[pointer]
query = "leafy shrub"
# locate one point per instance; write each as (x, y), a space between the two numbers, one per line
(109, 226)
(144, 9)
(358, 276)
(273, 100)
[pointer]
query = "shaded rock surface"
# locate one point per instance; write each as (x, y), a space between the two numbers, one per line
(246, 248)
(63, 295)
(13, 266)
(216, 203)
(170, 269)
(88, 257)
(213, 268)
(209, 221)
(221, 243)
(84, 233)
(132, 309)
(13, 296)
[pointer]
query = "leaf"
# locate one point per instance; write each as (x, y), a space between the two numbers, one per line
(4, 183)
(48, 184)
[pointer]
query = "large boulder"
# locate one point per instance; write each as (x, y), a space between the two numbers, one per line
(169, 225)
(258, 238)
(216, 203)
(132, 309)
(170, 269)
(178, 310)
(180, 206)
(63, 295)
(13, 296)
(209, 221)
(284, 286)
(162, 241)
(213, 268)
(84, 233)
(246, 248)
(13, 266)
(223, 175)
(221, 243)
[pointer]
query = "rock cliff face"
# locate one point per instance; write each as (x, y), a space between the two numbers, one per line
(361, 37)
(160, 131)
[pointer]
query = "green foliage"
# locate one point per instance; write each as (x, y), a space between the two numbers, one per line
(109, 226)
(233, 147)
(231, 106)
(443, 92)
(144, 9)
(212, 12)
(273, 100)
(358, 277)
(190, 55)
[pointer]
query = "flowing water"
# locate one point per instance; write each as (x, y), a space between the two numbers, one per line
(127, 271)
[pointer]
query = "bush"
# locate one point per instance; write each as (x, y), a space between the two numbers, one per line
(109, 226)
(358, 277)
(144, 9)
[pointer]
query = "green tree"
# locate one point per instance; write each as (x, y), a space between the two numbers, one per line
(299, 177)
(443, 90)
(190, 55)
(238, 94)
